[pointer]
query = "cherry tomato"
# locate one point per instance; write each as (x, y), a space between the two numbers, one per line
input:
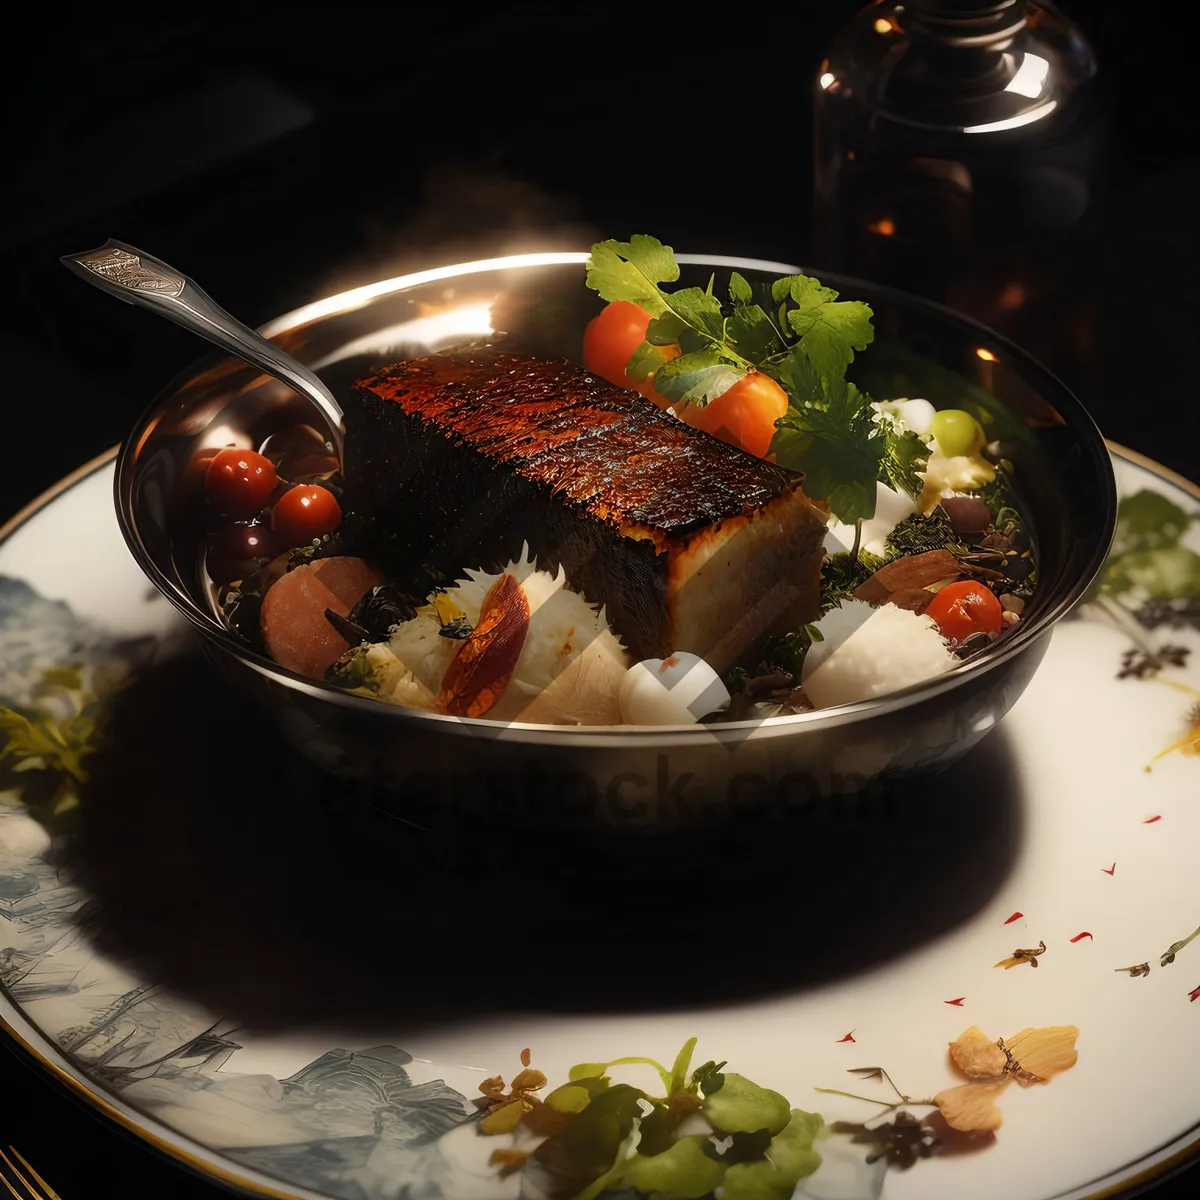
(610, 340)
(963, 608)
(745, 415)
(239, 482)
(237, 552)
(305, 513)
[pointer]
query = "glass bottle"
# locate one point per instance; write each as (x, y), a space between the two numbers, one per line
(960, 154)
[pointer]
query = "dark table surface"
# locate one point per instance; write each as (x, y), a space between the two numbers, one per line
(277, 156)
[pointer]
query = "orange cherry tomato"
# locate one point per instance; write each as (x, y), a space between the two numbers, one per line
(963, 608)
(239, 482)
(305, 513)
(610, 340)
(744, 416)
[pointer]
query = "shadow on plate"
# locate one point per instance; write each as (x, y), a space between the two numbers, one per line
(220, 865)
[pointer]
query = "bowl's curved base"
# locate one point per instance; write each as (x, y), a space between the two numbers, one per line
(425, 773)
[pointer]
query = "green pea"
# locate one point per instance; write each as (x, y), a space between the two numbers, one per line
(957, 432)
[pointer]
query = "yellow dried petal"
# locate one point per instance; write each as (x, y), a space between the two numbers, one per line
(493, 1088)
(975, 1054)
(528, 1080)
(1009, 963)
(1045, 1052)
(971, 1107)
(445, 608)
(503, 1120)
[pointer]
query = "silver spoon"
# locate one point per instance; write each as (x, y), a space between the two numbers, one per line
(137, 278)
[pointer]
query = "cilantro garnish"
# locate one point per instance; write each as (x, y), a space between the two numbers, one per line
(803, 336)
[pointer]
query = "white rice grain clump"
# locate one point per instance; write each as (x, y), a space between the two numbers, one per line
(893, 649)
(570, 667)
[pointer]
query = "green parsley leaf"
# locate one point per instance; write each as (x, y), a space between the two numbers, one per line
(1172, 573)
(740, 291)
(753, 334)
(687, 1170)
(644, 361)
(789, 1158)
(809, 296)
(741, 1106)
(1148, 521)
(632, 271)
(568, 1098)
(904, 455)
(781, 288)
(700, 309)
(838, 449)
(665, 329)
(829, 332)
(696, 378)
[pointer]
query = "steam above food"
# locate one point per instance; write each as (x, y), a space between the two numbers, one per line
(703, 521)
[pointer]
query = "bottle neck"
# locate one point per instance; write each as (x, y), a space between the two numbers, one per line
(965, 23)
(960, 58)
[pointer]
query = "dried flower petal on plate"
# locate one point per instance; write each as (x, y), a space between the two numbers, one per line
(505, 1109)
(1138, 969)
(978, 1056)
(1023, 956)
(1189, 743)
(1037, 1055)
(971, 1107)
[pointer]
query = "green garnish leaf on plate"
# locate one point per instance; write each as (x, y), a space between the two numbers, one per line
(741, 1106)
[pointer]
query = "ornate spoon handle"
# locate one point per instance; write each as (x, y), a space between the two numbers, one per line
(138, 278)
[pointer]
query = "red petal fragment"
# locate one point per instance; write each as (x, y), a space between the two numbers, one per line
(479, 673)
(1110, 870)
(1151, 820)
(1015, 917)
(848, 1038)
(1194, 994)
(1080, 936)
(957, 1003)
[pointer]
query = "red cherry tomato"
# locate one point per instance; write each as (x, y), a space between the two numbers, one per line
(744, 416)
(237, 552)
(305, 513)
(963, 608)
(239, 482)
(610, 340)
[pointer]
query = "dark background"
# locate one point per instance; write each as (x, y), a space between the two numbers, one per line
(280, 154)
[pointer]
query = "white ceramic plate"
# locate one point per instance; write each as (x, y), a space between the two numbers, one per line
(1102, 872)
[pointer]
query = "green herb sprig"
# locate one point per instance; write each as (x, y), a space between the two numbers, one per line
(802, 336)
